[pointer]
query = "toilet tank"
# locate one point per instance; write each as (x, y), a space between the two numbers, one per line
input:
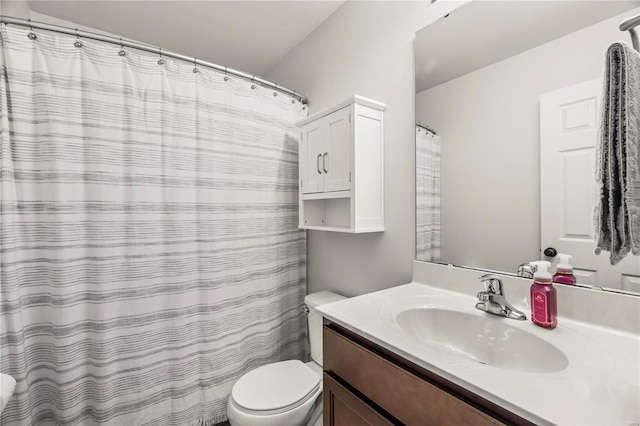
(314, 320)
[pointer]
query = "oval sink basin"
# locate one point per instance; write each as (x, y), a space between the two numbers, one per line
(483, 339)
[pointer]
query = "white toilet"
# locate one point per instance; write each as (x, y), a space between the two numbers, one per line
(286, 393)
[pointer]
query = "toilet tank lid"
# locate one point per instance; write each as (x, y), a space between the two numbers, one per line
(321, 298)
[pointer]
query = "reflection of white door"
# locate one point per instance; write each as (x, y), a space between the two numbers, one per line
(568, 128)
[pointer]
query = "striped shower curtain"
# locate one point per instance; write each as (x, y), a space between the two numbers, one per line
(149, 245)
(428, 147)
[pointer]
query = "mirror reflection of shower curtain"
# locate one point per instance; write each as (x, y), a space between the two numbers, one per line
(428, 147)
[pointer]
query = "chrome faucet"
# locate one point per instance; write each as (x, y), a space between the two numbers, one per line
(526, 270)
(492, 299)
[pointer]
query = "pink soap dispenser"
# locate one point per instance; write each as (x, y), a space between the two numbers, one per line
(544, 302)
(564, 271)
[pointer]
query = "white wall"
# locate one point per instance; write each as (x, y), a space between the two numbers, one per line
(15, 9)
(489, 122)
(366, 48)
(20, 9)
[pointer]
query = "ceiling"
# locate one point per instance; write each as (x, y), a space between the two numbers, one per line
(250, 36)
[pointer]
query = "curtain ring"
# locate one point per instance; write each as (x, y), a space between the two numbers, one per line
(161, 61)
(226, 77)
(253, 79)
(121, 52)
(32, 35)
(293, 101)
(195, 65)
(78, 43)
(276, 91)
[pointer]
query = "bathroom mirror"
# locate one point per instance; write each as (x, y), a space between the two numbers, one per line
(480, 73)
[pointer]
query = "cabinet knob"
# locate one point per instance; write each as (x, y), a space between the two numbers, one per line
(550, 252)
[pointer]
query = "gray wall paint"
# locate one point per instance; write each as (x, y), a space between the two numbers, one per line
(491, 210)
(15, 9)
(366, 48)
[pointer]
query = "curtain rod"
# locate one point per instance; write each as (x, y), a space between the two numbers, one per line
(427, 128)
(151, 49)
(628, 25)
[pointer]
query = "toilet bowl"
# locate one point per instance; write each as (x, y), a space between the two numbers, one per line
(286, 393)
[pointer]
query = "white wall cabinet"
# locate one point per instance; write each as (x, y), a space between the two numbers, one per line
(342, 168)
(325, 154)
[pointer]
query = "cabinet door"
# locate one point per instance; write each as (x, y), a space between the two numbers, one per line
(413, 401)
(343, 408)
(336, 157)
(311, 150)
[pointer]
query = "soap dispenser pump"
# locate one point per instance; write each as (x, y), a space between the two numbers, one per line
(564, 271)
(544, 302)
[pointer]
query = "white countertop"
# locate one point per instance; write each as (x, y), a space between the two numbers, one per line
(600, 385)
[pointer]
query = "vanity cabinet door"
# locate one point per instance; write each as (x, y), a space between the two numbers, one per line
(410, 399)
(343, 408)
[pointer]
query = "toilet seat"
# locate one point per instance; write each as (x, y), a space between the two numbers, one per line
(276, 388)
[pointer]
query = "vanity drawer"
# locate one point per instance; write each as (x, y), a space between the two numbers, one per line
(343, 407)
(405, 396)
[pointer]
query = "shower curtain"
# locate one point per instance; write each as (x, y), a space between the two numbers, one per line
(149, 245)
(428, 147)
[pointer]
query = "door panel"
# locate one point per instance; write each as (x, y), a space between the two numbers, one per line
(337, 155)
(311, 150)
(343, 408)
(568, 191)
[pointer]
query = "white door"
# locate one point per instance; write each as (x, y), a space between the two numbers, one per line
(568, 128)
(311, 149)
(336, 159)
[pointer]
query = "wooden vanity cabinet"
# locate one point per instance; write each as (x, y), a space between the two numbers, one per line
(347, 408)
(365, 384)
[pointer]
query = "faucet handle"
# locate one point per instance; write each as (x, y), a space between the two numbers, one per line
(526, 270)
(483, 296)
(492, 283)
